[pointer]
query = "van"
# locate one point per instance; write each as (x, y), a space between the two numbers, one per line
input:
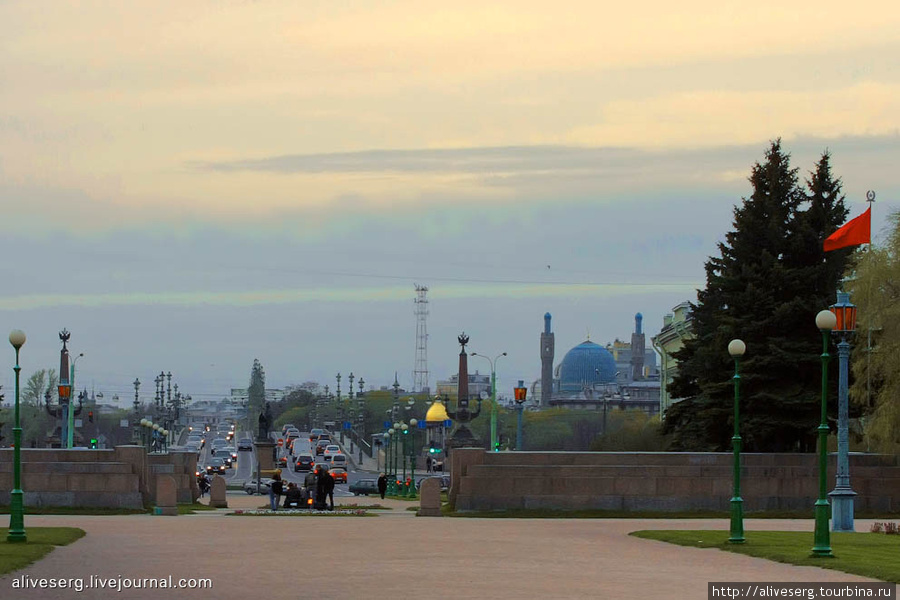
(339, 460)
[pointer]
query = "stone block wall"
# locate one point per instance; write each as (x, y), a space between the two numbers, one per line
(659, 481)
(123, 477)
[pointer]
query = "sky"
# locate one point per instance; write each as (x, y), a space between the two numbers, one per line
(188, 186)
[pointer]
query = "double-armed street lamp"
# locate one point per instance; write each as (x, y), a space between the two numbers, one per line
(825, 321)
(70, 418)
(736, 349)
(17, 496)
(494, 444)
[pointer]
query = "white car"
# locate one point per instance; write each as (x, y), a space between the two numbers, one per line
(264, 485)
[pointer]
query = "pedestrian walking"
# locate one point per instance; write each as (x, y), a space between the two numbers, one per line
(382, 485)
(275, 489)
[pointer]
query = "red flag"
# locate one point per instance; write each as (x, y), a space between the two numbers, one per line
(853, 233)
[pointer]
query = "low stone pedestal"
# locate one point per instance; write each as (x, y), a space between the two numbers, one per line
(217, 493)
(265, 454)
(430, 498)
(165, 496)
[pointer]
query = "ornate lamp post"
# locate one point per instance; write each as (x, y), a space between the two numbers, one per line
(520, 391)
(825, 321)
(494, 444)
(16, 496)
(842, 495)
(392, 477)
(404, 434)
(411, 489)
(70, 430)
(350, 393)
(736, 349)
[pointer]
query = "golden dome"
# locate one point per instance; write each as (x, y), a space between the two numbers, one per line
(437, 413)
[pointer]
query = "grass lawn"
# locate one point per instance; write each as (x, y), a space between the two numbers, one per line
(189, 509)
(41, 540)
(873, 555)
(75, 510)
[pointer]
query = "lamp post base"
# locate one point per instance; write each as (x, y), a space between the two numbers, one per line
(842, 509)
(16, 517)
(822, 538)
(737, 521)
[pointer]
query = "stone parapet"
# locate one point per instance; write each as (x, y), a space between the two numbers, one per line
(124, 477)
(659, 481)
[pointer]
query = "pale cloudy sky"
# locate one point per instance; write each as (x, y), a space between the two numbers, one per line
(189, 185)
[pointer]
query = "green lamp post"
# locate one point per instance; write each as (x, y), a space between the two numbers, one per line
(736, 349)
(413, 423)
(17, 497)
(392, 475)
(825, 321)
(494, 445)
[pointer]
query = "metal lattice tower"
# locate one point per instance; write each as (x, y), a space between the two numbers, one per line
(420, 373)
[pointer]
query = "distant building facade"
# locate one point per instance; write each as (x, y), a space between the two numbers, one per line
(677, 327)
(478, 384)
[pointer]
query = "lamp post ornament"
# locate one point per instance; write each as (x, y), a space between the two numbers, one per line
(519, 392)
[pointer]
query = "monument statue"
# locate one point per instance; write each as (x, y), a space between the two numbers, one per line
(265, 419)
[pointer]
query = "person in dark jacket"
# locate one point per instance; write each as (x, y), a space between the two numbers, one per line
(275, 489)
(329, 490)
(309, 482)
(382, 485)
(293, 498)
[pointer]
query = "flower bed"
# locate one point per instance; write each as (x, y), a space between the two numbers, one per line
(299, 512)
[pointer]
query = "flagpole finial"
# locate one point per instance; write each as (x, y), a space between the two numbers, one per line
(870, 196)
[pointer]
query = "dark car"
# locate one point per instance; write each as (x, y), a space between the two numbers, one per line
(321, 445)
(216, 465)
(304, 462)
(364, 487)
(245, 444)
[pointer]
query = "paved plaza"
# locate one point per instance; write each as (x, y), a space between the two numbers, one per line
(397, 555)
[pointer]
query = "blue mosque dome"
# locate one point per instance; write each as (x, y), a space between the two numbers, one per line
(586, 364)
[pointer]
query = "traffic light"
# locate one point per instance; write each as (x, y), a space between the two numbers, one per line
(93, 443)
(90, 416)
(497, 446)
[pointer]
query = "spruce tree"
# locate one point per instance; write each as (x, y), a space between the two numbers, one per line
(256, 391)
(765, 287)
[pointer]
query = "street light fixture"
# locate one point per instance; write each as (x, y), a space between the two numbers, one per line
(520, 391)
(736, 349)
(494, 443)
(825, 321)
(17, 496)
(842, 495)
(411, 490)
(70, 419)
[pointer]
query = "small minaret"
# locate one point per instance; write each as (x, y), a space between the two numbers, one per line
(637, 349)
(547, 350)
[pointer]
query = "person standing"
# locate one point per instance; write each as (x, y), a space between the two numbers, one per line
(329, 490)
(275, 489)
(428, 464)
(382, 485)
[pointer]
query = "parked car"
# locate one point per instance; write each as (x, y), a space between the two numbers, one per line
(339, 474)
(245, 444)
(363, 487)
(264, 484)
(305, 462)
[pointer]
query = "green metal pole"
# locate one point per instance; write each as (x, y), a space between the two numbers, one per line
(412, 463)
(404, 490)
(17, 497)
(493, 408)
(822, 537)
(737, 503)
(70, 430)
